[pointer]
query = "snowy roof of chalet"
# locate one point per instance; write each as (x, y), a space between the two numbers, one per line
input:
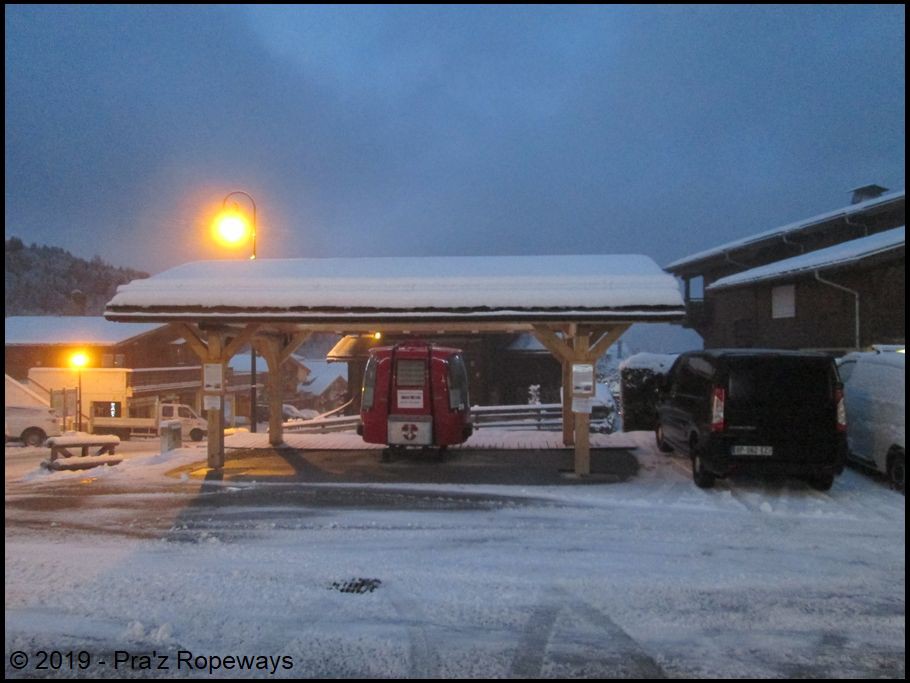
(829, 257)
(454, 287)
(789, 229)
(322, 374)
(48, 330)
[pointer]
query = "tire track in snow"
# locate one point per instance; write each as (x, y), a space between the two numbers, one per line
(532, 648)
(423, 660)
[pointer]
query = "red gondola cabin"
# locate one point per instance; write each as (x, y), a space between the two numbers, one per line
(415, 394)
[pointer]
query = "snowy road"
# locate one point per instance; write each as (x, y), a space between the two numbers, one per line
(650, 577)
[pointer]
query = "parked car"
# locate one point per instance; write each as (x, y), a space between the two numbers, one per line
(874, 395)
(31, 425)
(731, 410)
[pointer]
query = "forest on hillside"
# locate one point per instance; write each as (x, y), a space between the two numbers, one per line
(43, 280)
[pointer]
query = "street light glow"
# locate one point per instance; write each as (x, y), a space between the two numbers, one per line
(79, 359)
(232, 229)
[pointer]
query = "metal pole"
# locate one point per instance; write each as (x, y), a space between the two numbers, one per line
(252, 388)
(79, 405)
(252, 349)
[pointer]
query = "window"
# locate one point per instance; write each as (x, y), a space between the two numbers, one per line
(458, 383)
(369, 384)
(783, 301)
(167, 411)
(106, 409)
(410, 373)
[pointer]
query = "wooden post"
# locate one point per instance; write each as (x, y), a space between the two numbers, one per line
(582, 419)
(212, 351)
(275, 353)
(568, 417)
(215, 416)
(270, 350)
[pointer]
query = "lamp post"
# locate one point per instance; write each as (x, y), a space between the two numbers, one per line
(79, 360)
(232, 230)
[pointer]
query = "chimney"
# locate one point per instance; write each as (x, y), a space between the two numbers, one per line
(861, 194)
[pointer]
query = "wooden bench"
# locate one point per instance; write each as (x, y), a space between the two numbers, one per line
(60, 448)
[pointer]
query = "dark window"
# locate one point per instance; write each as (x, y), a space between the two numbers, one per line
(779, 381)
(106, 409)
(458, 383)
(369, 384)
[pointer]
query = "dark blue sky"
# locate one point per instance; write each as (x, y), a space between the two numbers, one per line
(443, 130)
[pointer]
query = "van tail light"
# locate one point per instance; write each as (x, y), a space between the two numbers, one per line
(717, 409)
(841, 410)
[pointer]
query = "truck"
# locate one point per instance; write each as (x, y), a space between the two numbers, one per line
(191, 425)
(108, 404)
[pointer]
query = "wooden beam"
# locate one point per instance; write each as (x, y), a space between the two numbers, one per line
(606, 340)
(193, 339)
(240, 340)
(554, 344)
(294, 344)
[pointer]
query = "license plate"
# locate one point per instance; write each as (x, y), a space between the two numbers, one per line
(752, 450)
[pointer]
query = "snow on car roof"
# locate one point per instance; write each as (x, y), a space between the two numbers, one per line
(49, 330)
(463, 285)
(839, 254)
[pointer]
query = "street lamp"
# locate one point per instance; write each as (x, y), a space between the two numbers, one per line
(79, 360)
(231, 228)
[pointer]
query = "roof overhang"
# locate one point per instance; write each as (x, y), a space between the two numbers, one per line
(359, 294)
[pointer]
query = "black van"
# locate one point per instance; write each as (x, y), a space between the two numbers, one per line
(769, 410)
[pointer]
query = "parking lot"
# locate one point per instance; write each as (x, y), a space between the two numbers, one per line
(485, 563)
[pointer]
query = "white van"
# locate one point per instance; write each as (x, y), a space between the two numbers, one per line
(31, 425)
(874, 397)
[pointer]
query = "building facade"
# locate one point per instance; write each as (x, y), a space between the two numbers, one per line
(833, 282)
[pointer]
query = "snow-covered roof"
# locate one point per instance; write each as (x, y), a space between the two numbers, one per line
(659, 363)
(48, 330)
(322, 374)
(789, 229)
(829, 257)
(454, 287)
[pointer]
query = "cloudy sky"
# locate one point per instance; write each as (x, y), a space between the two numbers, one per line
(443, 130)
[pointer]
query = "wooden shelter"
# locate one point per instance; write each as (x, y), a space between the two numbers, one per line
(577, 306)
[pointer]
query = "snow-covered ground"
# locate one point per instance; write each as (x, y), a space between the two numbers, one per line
(649, 577)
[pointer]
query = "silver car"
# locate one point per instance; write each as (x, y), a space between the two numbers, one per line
(874, 397)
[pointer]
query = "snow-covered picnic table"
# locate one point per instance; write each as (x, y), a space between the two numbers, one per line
(60, 448)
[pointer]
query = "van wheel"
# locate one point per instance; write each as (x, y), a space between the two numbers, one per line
(896, 473)
(821, 482)
(33, 437)
(662, 444)
(196, 435)
(702, 478)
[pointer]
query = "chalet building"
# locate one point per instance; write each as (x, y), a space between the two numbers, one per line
(51, 341)
(325, 386)
(832, 282)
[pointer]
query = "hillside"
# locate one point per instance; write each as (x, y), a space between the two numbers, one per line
(40, 280)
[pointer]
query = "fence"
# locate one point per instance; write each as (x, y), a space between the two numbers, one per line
(546, 417)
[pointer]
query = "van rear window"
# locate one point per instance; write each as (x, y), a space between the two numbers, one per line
(783, 381)
(410, 373)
